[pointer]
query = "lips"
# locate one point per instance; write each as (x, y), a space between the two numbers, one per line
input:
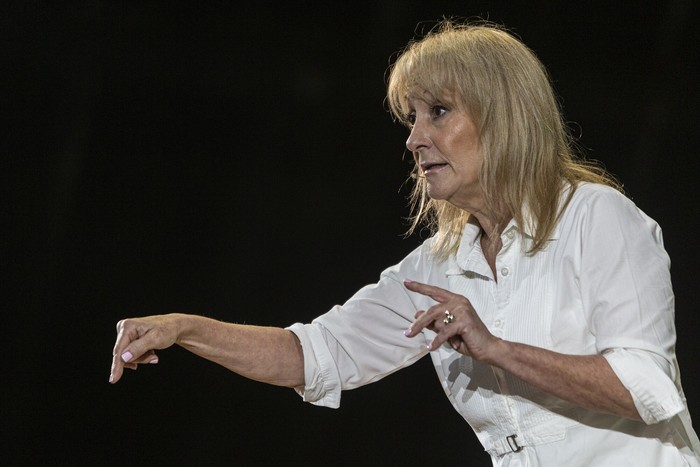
(431, 167)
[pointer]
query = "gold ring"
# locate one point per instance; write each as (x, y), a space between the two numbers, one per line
(449, 317)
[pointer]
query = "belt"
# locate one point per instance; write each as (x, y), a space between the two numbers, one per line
(506, 445)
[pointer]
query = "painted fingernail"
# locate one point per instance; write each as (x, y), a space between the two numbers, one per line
(126, 356)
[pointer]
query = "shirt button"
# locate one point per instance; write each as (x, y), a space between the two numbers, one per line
(505, 272)
(510, 234)
(498, 323)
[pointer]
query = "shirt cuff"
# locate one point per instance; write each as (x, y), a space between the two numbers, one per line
(321, 379)
(650, 380)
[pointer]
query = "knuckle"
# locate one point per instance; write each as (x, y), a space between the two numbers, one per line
(123, 324)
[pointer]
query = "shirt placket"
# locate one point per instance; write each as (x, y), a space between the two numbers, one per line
(501, 295)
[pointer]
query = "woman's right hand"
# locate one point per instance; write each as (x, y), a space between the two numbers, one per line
(137, 340)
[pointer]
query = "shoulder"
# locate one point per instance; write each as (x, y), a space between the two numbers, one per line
(592, 193)
(603, 211)
(592, 199)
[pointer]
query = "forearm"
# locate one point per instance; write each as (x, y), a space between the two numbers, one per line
(267, 354)
(585, 380)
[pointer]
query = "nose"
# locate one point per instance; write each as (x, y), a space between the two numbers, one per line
(418, 139)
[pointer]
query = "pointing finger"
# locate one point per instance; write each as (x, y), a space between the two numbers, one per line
(436, 293)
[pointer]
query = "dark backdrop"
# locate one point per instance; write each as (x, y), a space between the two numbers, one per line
(237, 160)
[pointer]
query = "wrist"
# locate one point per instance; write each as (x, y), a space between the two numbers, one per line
(499, 351)
(180, 326)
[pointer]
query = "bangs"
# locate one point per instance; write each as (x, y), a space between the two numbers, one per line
(421, 70)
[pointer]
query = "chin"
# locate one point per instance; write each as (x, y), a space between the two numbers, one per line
(436, 194)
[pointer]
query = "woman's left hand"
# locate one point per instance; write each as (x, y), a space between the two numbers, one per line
(454, 320)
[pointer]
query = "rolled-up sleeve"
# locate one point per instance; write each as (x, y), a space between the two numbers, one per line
(363, 340)
(321, 380)
(650, 380)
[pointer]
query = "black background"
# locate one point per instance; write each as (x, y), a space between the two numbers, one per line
(237, 160)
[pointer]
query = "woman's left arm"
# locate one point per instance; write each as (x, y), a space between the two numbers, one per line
(585, 380)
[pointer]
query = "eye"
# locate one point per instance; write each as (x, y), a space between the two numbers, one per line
(411, 119)
(438, 110)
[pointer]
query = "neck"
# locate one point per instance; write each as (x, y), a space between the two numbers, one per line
(491, 226)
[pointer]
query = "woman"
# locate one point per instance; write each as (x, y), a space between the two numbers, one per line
(543, 298)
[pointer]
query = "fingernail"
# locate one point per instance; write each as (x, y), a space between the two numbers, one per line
(154, 361)
(126, 356)
(429, 347)
(407, 281)
(111, 378)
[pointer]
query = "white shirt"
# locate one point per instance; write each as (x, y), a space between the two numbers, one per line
(601, 286)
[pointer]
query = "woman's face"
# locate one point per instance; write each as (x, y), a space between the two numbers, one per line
(446, 146)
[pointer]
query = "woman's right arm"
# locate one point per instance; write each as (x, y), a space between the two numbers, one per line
(267, 354)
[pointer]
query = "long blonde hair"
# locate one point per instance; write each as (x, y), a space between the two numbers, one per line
(529, 154)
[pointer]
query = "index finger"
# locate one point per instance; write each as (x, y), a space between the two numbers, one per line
(117, 369)
(436, 293)
(121, 342)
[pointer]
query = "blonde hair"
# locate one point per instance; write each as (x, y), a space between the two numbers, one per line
(528, 152)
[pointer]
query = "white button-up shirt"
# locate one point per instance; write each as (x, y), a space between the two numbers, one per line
(601, 286)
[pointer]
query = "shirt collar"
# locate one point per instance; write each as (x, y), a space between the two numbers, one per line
(469, 256)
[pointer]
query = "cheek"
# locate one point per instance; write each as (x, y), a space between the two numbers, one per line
(467, 155)
(471, 150)
(469, 142)
(463, 141)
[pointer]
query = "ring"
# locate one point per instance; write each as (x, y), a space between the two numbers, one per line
(449, 317)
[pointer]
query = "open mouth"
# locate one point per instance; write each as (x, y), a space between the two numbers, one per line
(429, 167)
